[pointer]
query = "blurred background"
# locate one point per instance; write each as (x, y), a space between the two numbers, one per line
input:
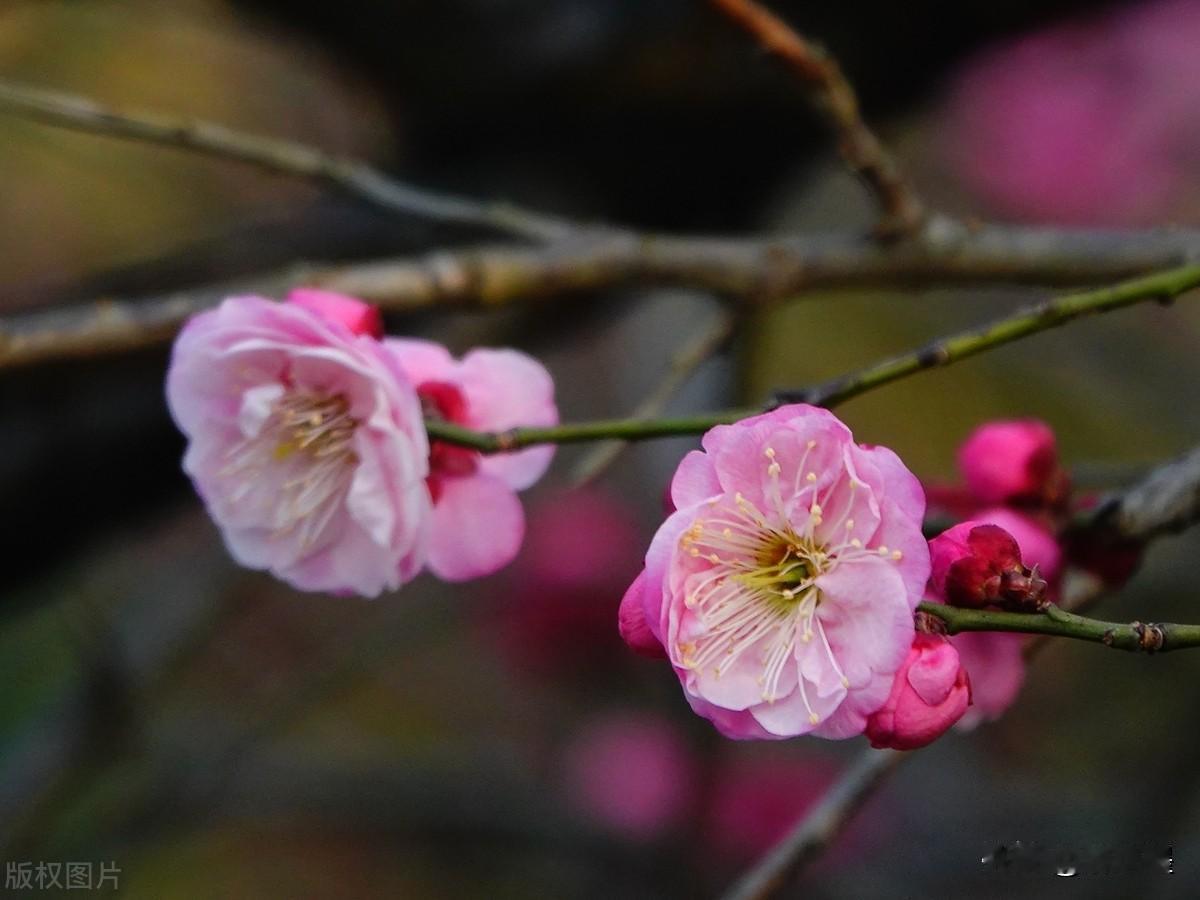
(219, 735)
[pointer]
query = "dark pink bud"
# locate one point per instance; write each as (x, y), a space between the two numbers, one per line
(1013, 462)
(976, 564)
(357, 316)
(930, 693)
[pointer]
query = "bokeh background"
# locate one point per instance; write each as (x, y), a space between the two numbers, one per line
(219, 735)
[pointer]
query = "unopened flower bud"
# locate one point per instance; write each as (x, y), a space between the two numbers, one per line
(977, 564)
(930, 692)
(1013, 462)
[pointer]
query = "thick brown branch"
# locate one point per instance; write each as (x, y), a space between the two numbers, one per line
(833, 96)
(748, 271)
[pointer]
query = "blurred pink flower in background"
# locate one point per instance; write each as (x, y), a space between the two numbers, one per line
(477, 523)
(306, 443)
(754, 802)
(930, 693)
(631, 772)
(557, 609)
(1096, 121)
(783, 586)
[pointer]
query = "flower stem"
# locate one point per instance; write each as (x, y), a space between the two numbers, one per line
(1162, 286)
(1136, 636)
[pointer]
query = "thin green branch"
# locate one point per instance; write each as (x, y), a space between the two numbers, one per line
(1151, 637)
(1163, 286)
(352, 177)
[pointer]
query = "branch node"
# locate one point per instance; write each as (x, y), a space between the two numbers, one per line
(1150, 636)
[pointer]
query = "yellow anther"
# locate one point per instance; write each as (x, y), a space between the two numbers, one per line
(815, 509)
(845, 682)
(712, 557)
(849, 524)
(883, 550)
(817, 520)
(773, 469)
(810, 477)
(727, 532)
(856, 543)
(814, 718)
(695, 551)
(770, 452)
(897, 555)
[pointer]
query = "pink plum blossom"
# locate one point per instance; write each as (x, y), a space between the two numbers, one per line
(783, 587)
(306, 442)
(995, 661)
(929, 694)
(1013, 462)
(357, 316)
(1093, 121)
(632, 772)
(477, 522)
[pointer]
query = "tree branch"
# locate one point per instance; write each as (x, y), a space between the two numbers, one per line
(1149, 636)
(357, 179)
(1031, 320)
(832, 95)
(1163, 287)
(748, 271)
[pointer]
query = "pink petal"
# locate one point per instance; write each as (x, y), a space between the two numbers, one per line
(477, 528)
(695, 480)
(506, 389)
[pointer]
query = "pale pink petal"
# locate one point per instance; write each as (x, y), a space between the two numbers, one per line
(506, 389)
(422, 360)
(694, 481)
(477, 528)
(866, 617)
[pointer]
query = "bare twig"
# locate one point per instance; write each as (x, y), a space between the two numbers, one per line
(352, 177)
(690, 357)
(833, 96)
(818, 829)
(748, 271)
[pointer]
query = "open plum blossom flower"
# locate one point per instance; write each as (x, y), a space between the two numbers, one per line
(477, 522)
(930, 693)
(306, 442)
(783, 587)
